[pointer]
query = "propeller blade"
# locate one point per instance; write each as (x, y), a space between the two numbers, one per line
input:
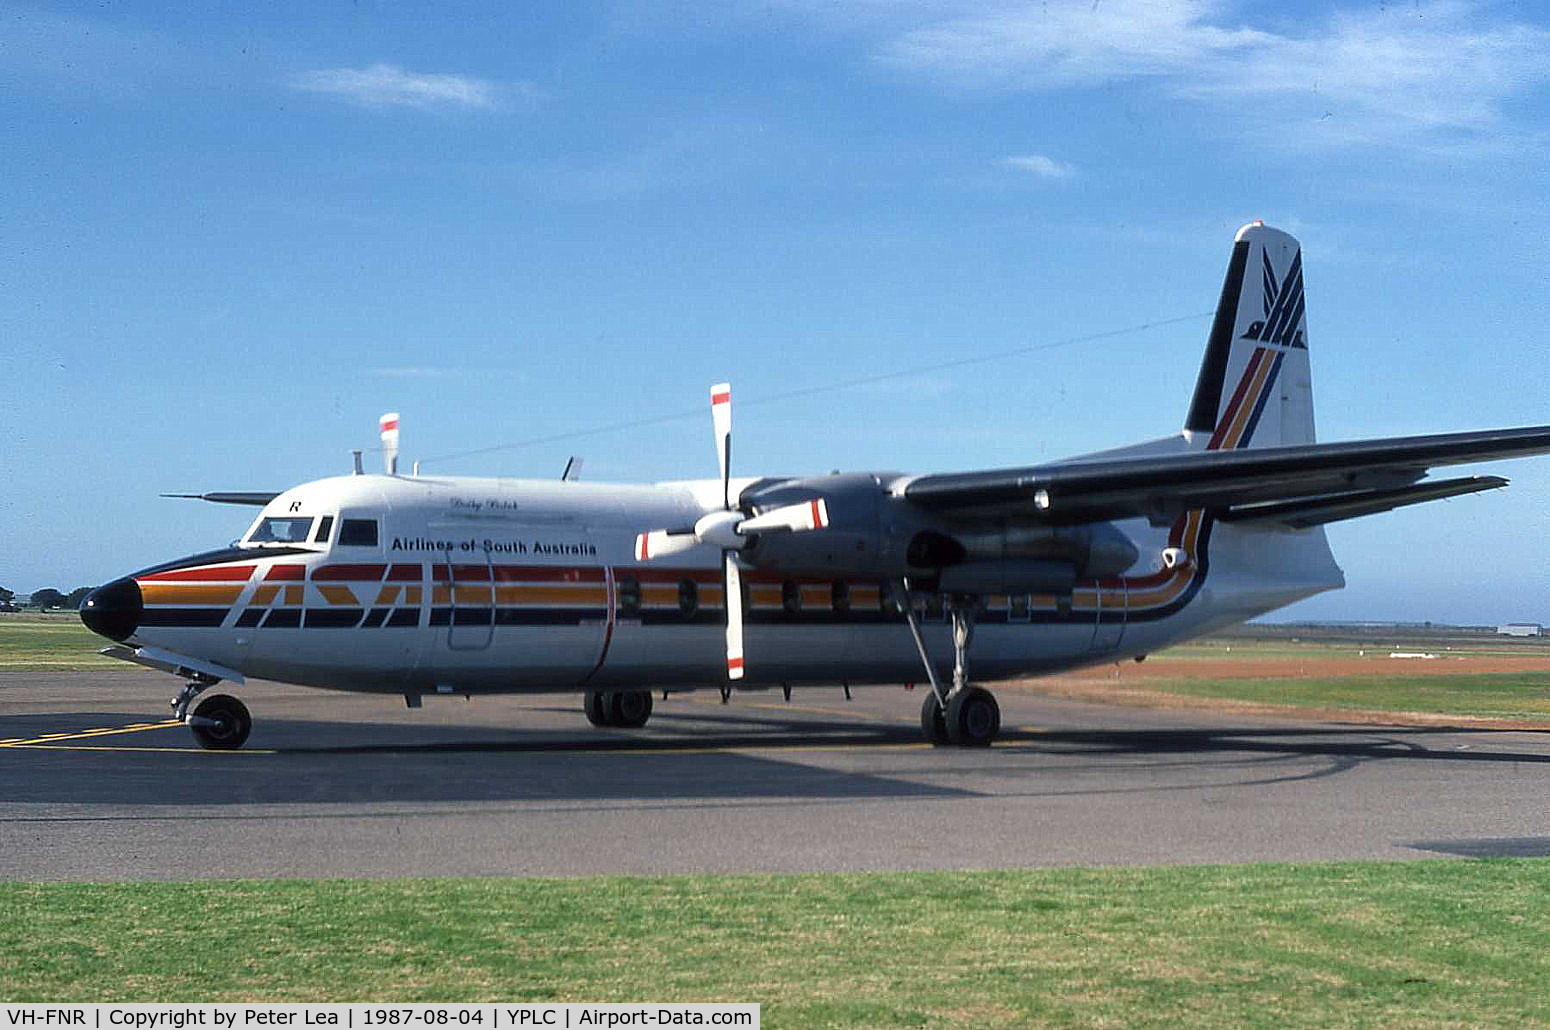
(734, 603)
(795, 518)
(721, 423)
(661, 542)
(389, 425)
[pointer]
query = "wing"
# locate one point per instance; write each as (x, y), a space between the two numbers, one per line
(1304, 484)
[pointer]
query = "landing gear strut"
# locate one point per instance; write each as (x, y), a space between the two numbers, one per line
(628, 709)
(219, 723)
(962, 714)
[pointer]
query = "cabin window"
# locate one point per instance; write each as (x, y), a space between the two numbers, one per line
(688, 597)
(839, 596)
(1019, 608)
(628, 594)
(791, 597)
(290, 530)
(325, 526)
(358, 532)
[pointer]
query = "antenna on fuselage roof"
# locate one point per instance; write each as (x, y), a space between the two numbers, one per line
(572, 469)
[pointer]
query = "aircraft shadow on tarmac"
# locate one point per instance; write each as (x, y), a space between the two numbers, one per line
(304, 762)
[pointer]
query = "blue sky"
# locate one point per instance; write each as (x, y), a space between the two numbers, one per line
(233, 235)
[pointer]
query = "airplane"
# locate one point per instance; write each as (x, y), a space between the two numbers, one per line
(416, 584)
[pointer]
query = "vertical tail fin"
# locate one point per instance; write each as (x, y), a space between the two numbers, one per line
(1255, 387)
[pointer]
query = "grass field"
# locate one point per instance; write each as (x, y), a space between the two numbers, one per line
(1417, 944)
(1524, 696)
(53, 641)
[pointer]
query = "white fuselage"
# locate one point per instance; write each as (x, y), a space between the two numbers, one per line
(503, 585)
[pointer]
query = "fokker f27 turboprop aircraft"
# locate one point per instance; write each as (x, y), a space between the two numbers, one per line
(427, 584)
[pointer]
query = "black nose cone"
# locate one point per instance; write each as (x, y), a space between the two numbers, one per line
(113, 610)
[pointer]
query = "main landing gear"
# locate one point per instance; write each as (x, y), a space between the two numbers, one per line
(628, 709)
(962, 715)
(219, 723)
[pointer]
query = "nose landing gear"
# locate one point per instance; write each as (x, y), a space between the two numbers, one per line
(219, 723)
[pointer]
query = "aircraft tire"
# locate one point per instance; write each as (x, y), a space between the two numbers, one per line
(229, 725)
(599, 708)
(630, 708)
(973, 717)
(933, 721)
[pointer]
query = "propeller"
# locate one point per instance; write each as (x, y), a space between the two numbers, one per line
(730, 529)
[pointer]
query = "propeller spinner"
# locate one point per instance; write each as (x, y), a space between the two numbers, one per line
(730, 528)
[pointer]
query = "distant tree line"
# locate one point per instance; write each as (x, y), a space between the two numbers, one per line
(44, 599)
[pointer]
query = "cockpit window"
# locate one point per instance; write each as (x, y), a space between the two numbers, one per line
(358, 532)
(325, 525)
(289, 530)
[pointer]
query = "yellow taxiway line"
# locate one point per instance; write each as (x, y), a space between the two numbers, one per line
(46, 739)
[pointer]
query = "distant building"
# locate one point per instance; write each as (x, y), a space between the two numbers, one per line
(1521, 629)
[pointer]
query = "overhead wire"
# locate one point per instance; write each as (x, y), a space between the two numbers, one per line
(808, 391)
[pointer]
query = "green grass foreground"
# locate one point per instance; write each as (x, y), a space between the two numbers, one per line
(1508, 695)
(54, 641)
(1415, 944)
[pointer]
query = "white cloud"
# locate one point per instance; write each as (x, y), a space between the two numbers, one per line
(384, 85)
(1428, 74)
(1038, 164)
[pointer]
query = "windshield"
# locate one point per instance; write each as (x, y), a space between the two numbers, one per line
(281, 531)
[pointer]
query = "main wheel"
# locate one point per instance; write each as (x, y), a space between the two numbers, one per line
(221, 723)
(598, 709)
(933, 721)
(973, 718)
(630, 708)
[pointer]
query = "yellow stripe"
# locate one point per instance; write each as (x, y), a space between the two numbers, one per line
(1250, 401)
(50, 738)
(264, 595)
(335, 593)
(185, 593)
(578, 593)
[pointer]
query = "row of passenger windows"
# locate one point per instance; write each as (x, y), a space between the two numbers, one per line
(629, 596)
(295, 529)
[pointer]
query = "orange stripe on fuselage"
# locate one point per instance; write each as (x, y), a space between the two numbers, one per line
(181, 593)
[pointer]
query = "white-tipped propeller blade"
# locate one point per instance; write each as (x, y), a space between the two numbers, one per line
(389, 426)
(721, 424)
(727, 529)
(734, 604)
(659, 543)
(794, 518)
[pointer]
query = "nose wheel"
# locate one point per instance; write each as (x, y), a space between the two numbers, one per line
(219, 723)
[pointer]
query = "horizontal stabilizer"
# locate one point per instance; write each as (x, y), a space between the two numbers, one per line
(1317, 511)
(257, 498)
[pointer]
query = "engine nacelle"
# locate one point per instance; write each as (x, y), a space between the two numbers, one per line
(874, 534)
